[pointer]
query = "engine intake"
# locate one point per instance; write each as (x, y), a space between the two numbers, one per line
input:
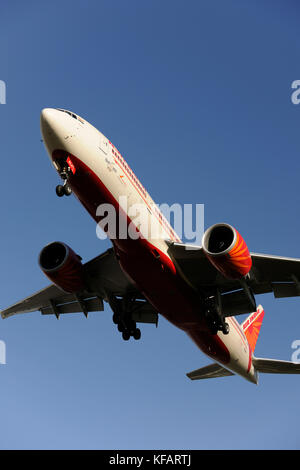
(62, 266)
(227, 251)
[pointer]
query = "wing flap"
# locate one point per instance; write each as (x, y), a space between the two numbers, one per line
(143, 312)
(285, 289)
(91, 305)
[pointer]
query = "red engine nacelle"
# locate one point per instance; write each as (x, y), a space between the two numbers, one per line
(62, 266)
(227, 251)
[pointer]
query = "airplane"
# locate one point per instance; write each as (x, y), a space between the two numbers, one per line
(199, 289)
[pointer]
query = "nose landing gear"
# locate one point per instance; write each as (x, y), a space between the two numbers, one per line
(64, 189)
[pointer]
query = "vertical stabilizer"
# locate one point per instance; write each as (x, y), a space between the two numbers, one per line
(252, 325)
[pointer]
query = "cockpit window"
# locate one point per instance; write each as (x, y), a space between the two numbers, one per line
(71, 114)
(68, 112)
(64, 111)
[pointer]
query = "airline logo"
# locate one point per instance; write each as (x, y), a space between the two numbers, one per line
(240, 256)
(71, 165)
(252, 326)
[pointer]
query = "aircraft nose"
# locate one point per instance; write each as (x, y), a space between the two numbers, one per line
(57, 129)
(53, 129)
(47, 120)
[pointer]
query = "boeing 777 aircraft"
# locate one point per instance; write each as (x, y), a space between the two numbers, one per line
(199, 289)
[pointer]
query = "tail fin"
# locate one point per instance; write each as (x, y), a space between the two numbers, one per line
(252, 325)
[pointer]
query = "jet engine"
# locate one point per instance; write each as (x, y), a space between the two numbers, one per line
(62, 266)
(227, 251)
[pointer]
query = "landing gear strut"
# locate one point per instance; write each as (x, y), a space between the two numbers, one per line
(215, 318)
(122, 317)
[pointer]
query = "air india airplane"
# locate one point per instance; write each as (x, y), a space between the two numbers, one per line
(199, 289)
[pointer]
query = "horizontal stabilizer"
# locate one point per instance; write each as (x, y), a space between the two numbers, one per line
(275, 366)
(209, 372)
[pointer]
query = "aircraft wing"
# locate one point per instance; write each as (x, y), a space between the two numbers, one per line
(275, 274)
(104, 279)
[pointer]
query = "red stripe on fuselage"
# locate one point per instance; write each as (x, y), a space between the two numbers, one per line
(250, 358)
(156, 277)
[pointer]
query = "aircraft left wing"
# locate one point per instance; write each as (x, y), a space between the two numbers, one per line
(104, 279)
(269, 273)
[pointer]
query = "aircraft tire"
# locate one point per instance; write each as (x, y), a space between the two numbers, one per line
(137, 334)
(116, 318)
(67, 190)
(60, 190)
(125, 335)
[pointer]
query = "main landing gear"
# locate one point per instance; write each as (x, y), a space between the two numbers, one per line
(122, 317)
(127, 327)
(214, 316)
(64, 189)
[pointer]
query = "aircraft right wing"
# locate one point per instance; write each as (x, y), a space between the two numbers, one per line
(104, 279)
(269, 273)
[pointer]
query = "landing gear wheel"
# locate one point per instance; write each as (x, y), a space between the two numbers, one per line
(137, 334)
(67, 190)
(123, 313)
(116, 318)
(60, 190)
(225, 329)
(126, 335)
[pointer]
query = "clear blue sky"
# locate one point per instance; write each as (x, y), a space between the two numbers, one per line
(196, 96)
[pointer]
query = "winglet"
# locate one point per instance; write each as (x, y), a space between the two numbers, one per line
(252, 325)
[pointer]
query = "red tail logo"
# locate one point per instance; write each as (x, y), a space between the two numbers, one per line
(252, 326)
